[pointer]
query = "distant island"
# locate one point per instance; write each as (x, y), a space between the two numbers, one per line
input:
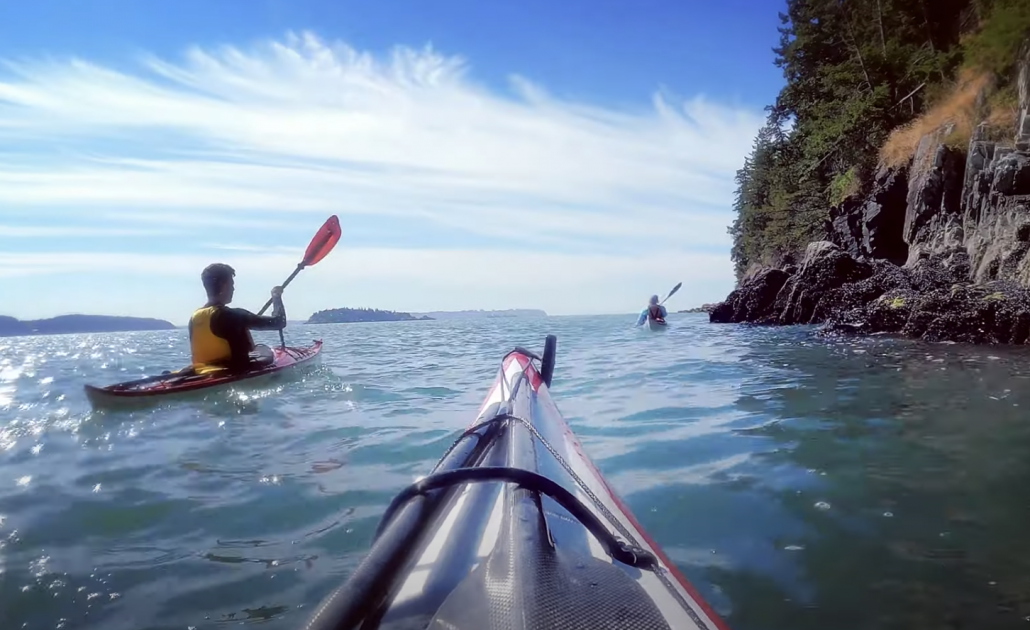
(64, 324)
(513, 312)
(354, 315)
(704, 308)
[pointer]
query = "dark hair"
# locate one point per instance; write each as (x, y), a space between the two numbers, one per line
(215, 276)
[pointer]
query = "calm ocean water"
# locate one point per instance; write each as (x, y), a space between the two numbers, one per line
(799, 482)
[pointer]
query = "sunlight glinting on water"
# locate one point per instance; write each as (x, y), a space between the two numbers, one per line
(758, 458)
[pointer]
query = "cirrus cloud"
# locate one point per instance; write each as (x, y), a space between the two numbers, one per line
(431, 172)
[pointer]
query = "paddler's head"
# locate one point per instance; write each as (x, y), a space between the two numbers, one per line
(654, 300)
(218, 282)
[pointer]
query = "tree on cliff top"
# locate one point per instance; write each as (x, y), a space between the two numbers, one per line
(854, 70)
(996, 46)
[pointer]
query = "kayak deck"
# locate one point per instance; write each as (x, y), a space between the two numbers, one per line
(184, 382)
(655, 324)
(515, 528)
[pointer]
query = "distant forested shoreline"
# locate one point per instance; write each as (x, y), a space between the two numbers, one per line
(66, 324)
(356, 315)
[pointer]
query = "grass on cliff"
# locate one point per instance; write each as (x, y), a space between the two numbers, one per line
(1003, 113)
(957, 107)
(845, 185)
(990, 56)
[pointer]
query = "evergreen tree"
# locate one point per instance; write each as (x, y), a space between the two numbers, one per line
(855, 70)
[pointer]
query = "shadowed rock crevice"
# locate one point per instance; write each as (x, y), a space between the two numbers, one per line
(873, 227)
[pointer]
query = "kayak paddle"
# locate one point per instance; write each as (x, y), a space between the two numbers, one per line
(321, 244)
(671, 293)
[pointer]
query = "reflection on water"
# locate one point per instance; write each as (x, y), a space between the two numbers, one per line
(801, 483)
(914, 506)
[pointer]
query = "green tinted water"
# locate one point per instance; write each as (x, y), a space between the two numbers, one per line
(799, 483)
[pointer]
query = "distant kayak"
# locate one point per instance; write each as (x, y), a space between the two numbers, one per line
(514, 528)
(162, 387)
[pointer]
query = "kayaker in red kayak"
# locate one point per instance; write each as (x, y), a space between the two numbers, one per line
(653, 311)
(220, 336)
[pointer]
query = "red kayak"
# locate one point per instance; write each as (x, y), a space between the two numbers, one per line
(656, 324)
(162, 387)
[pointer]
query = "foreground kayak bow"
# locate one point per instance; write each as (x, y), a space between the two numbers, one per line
(514, 529)
(159, 388)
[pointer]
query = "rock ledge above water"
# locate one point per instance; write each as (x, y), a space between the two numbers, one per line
(938, 249)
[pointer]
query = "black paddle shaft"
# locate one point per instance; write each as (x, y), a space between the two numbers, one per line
(288, 281)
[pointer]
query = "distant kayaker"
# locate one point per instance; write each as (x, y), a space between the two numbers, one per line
(219, 335)
(654, 310)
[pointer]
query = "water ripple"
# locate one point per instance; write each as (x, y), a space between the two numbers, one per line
(796, 480)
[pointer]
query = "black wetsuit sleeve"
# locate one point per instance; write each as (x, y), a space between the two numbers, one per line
(245, 320)
(232, 325)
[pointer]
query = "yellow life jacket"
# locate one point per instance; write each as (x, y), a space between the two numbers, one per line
(208, 350)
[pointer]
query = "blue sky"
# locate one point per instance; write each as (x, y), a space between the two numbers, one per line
(573, 156)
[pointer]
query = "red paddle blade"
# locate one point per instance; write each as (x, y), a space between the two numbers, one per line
(323, 242)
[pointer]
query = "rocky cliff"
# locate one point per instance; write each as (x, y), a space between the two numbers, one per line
(937, 249)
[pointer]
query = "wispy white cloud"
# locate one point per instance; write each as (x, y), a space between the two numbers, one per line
(48, 231)
(455, 267)
(288, 131)
(243, 247)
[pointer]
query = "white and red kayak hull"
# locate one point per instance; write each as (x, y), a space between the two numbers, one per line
(514, 528)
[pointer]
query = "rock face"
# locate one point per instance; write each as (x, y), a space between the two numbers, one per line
(824, 269)
(752, 302)
(933, 210)
(938, 250)
(872, 227)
